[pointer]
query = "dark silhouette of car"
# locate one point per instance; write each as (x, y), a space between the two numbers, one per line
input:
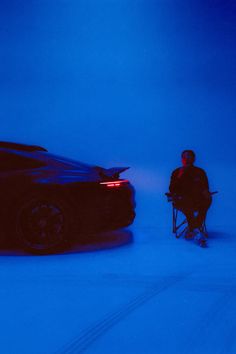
(47, 200)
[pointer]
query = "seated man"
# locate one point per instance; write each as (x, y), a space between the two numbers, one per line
(190, 190)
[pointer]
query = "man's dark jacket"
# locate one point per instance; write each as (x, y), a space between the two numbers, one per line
(191, 184)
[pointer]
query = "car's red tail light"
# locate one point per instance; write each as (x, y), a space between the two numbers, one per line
(114, 184)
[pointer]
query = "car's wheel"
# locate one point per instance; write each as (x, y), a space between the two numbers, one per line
(43, 223)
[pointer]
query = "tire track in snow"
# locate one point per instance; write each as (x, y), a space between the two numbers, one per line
(217, 328)
(92, 333)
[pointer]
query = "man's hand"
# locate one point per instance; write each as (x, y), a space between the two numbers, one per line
(206, 194)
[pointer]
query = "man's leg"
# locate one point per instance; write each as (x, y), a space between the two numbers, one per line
(185, 206)
(190, 218)
(203, 207)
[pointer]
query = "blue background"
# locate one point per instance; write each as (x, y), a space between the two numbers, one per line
(122, 82)
(125, 82)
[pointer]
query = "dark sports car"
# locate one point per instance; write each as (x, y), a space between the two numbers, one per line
(47, 199)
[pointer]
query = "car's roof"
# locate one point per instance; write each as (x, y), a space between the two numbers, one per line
(52, 161)
(21, 147)
(41, 154)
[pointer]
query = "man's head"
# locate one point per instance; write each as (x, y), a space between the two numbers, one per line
(188, 157)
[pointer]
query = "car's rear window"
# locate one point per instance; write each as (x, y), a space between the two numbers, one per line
(60, 161)
(14, 161)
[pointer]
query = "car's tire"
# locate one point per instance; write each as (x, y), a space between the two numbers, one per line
(43, 223)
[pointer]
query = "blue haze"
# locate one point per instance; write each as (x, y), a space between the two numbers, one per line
(113, 81)
(125, 82)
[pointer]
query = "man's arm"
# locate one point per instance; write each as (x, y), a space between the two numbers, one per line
(175, 180)
(205, 185)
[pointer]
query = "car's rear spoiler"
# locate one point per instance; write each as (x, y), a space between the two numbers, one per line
(112, 173)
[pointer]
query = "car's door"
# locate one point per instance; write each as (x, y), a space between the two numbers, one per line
(14, 174)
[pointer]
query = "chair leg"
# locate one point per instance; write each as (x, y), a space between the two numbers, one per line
(177, 228)
(174, 218)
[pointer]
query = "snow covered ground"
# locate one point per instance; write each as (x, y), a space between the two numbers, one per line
(131, 291)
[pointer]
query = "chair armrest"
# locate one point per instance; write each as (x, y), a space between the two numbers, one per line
(170, 197)
(173, 197)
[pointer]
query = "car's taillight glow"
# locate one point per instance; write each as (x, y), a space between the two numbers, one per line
(114, 184)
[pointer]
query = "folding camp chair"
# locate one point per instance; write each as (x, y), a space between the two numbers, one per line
(179, 221)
